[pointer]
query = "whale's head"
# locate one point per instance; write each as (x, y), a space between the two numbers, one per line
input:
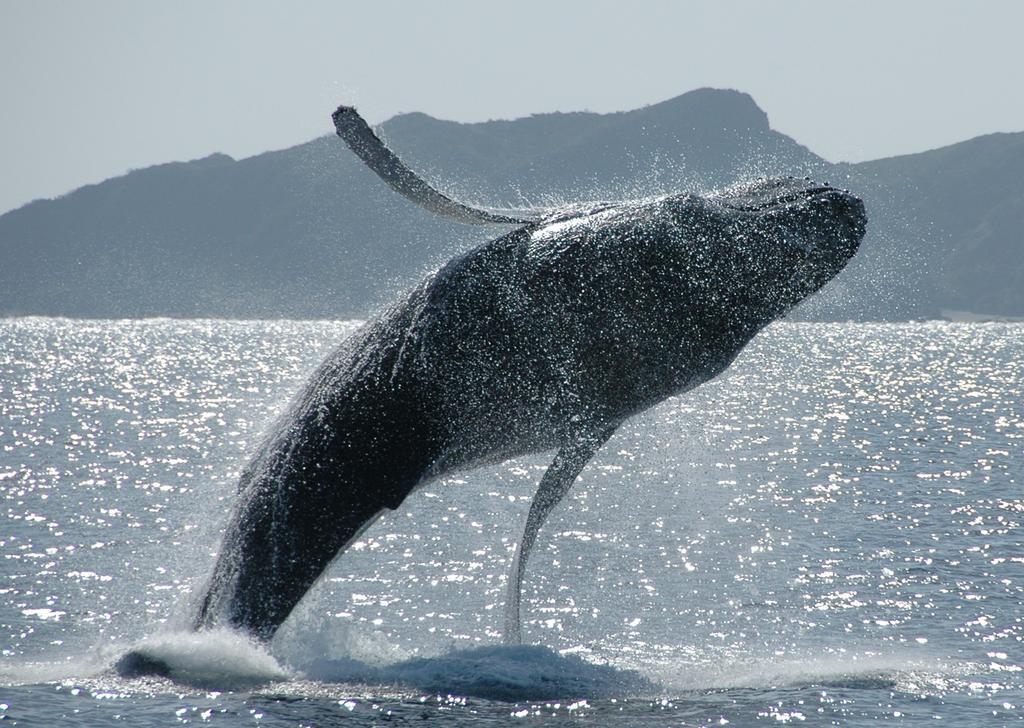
(792, 236)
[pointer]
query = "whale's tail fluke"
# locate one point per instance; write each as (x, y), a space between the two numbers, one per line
(362, 140)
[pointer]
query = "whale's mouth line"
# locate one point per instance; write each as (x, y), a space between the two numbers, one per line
(781, 201)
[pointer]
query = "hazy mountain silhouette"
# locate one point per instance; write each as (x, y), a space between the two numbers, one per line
(309, 232)
(966, 204)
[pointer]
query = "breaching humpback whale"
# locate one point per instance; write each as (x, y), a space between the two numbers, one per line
(545, 338)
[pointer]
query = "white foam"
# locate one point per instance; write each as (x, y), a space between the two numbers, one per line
(217, 658)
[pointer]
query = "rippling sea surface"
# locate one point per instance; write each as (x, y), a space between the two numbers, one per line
(828, 534)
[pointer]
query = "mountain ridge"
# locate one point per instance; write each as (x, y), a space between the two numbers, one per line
(308, 232)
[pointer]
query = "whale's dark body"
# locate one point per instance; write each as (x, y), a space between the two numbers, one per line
(546, 338)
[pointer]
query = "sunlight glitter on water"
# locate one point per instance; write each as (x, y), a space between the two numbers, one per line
(842, 508)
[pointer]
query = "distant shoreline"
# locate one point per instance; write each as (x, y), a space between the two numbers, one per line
(977, 318)
(946, 316)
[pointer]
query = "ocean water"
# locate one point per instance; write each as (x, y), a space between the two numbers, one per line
(828, 534)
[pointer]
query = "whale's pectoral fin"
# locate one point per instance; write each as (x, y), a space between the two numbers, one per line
(361, 139)
(556, 482)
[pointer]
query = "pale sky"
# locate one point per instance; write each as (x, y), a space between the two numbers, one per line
(91, 90)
